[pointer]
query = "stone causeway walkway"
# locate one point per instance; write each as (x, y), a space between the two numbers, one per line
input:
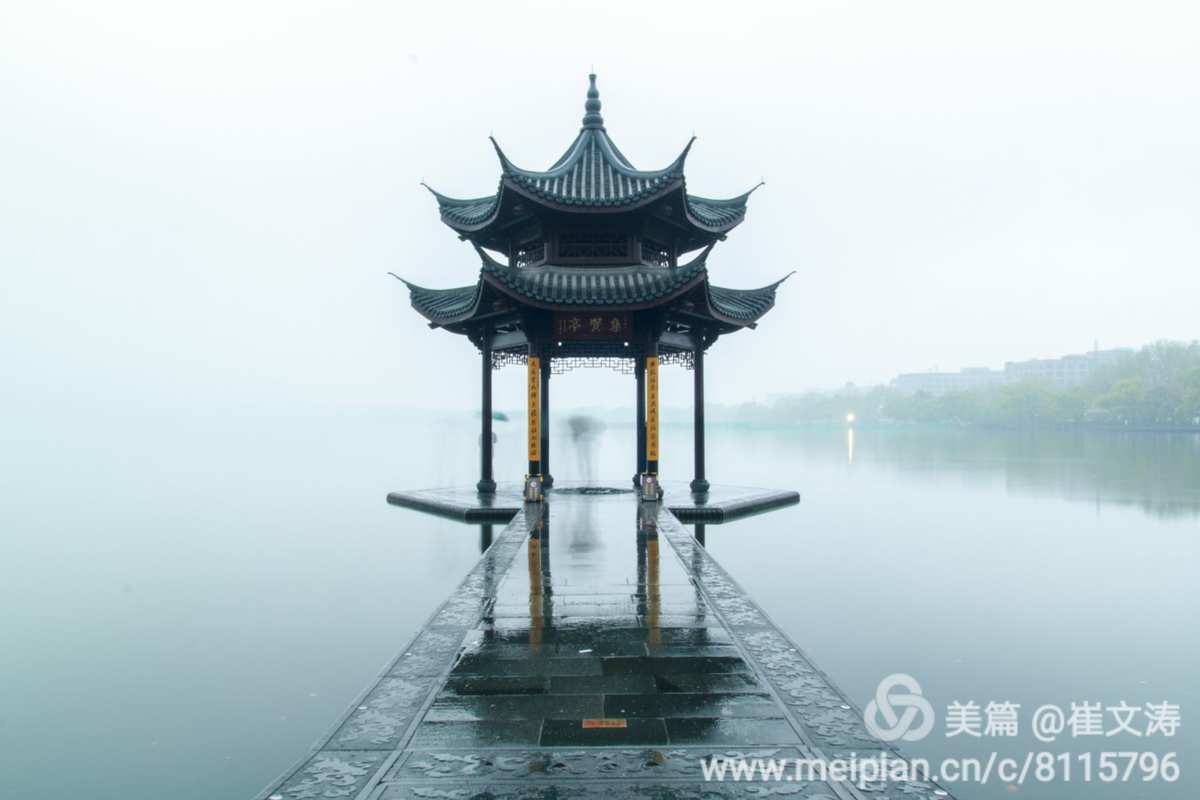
(595, 650)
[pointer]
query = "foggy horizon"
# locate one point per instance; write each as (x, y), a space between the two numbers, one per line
(202, 206)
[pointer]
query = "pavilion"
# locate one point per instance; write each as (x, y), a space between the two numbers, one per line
(583, 264)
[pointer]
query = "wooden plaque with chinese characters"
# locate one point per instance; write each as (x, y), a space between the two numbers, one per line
(534, 369)
(593, 325)
(652, 408)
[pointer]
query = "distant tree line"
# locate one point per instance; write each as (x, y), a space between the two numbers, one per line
(1155, 387)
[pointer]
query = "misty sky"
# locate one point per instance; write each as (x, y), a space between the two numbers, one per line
(199, 204)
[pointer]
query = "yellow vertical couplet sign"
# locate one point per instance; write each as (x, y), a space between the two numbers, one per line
(535, 410)
(652, 408)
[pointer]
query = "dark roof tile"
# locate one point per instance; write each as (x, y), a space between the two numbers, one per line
(743, 305)
(594, 286)
(593, 173)
(443, 305)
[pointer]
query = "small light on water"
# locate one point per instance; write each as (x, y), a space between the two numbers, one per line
(850, 418)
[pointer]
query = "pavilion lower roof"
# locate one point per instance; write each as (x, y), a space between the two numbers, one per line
(618, 287)
(743, 304)
(446, 305)
(623, 288)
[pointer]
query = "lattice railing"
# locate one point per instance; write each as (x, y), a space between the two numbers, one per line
(618, 360)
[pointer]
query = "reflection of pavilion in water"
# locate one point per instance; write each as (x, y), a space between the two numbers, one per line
(606, 634)
(582, 548)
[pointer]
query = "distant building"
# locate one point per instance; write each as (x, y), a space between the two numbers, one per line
(938, 383)
(1060, 373)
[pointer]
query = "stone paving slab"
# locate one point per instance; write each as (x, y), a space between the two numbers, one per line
(518, 689)
(720, 504)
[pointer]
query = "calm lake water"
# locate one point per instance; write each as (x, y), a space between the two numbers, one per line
(187, 601)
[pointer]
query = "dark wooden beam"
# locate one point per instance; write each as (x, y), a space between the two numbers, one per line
(487, 482)
(699, 483)
(639, 374)
(679, 341)
(505, 341)
(547, 478)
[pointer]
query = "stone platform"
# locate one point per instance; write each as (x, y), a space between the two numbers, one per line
(595, 650)
(720, 504)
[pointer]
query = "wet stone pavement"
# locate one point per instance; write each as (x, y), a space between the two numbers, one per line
(595, 650)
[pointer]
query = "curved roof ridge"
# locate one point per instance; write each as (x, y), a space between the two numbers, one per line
(729, 201)
(465, 213)
(568, 153)
(743, 306)
(616, 151)
(768, 287)
(447, 200)
(776, 284)
(488, 261)
(701, 257)
(719, 214)
(592, 142)
(505, 164)
(442, 306)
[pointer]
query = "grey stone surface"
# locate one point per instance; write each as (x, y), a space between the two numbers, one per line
(596, 650)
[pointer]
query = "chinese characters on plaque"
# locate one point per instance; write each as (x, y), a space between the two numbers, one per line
(533, 370)
(597, 325)
(652, 409)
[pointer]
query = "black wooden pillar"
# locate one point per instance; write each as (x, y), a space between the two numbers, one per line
(639, 374)
(699, 483)
(547, 478)
(487, 483)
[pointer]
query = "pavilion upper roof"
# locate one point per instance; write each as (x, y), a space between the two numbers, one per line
(592, 175)
(465, 215)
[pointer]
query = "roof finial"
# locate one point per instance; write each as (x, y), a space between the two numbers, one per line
(592, 118)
